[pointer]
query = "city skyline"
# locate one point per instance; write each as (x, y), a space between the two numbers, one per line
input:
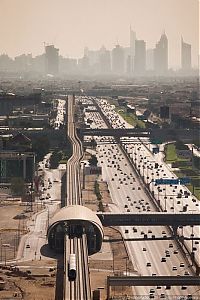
(134, 60)
(96, 23)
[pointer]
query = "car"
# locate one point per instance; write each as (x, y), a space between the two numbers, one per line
(148, 264)
(186, 273)
(175, 251)
(167, 255)
(162, 296)
(163, 259)
(152, 291)
(139, 188)
(158, 287)
(126, 230)
(184, 287)
(144, 249)
(182, 265)
(174, 268)
(28, 246)
(168, 287)
(170, 245)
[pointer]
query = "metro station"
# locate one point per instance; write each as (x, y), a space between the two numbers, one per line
(74, 221)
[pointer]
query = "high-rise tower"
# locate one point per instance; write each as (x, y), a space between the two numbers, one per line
(186, 56)
(140, 57)
(118, 64)
(161, 56)
(132, 48)
(51, 60)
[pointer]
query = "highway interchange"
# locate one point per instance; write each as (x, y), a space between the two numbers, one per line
(127, 190)
(149, 257)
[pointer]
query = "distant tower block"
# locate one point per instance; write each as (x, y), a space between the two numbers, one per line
(51, 60)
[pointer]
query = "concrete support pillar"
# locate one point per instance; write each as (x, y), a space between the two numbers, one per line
(24, 168)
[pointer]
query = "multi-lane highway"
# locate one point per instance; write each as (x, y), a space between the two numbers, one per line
(127, 191)
(167, 195)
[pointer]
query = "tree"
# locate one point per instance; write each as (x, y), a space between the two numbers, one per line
(41, 147)
(55, 159)
(93, 161)
(17, 186)
(93, 143)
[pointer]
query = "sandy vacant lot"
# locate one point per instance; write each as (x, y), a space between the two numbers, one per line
(40, 283)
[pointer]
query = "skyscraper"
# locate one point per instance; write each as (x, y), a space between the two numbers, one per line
(132, 48)
(51, 60)
(150, 59)
(186, 56)
(104, 61)
(118, 63)
(161, 56)
(140, 57)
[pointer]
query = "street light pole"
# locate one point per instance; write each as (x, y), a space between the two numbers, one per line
(113, 262)
(1, 248)
(5, 246)
(126, 265)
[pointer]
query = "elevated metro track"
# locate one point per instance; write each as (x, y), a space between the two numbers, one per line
(79, 287)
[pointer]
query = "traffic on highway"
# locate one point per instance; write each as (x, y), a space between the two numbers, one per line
(132, 187)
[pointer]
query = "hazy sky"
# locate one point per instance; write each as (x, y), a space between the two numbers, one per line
(73, 24)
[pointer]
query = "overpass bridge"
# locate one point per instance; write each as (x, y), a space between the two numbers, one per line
(149, 219)
(167, 281)
(161, 135)
(119, 132)
(153, 280)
